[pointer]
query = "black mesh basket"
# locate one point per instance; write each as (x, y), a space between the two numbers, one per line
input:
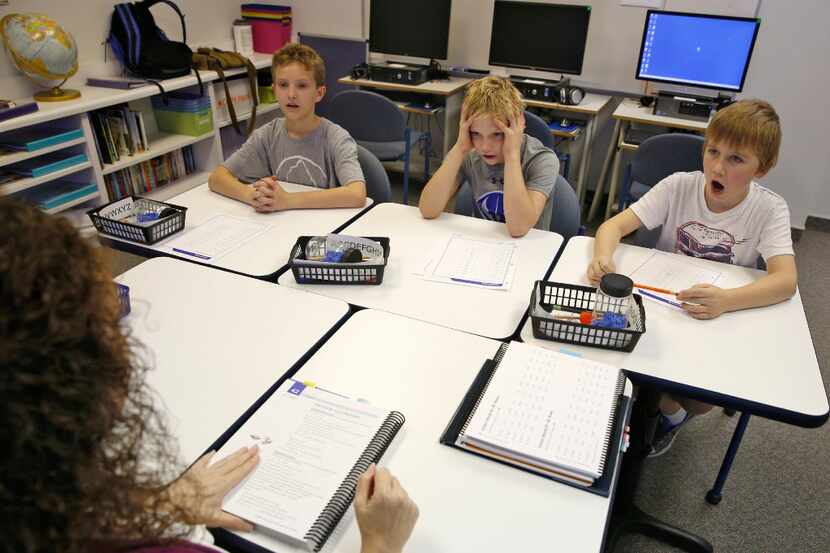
(572, 297)
(144, 234)
(311, 272)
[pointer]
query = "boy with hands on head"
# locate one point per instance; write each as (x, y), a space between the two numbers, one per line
(300, 147)
(720, 214)
(511, 174)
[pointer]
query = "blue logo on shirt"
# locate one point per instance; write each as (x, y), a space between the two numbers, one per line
(491, 206)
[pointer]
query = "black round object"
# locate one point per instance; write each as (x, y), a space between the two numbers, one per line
(616, 285)
(352, 255)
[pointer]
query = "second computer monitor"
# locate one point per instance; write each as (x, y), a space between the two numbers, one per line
(699, 50)
(544, 37)
(410, 28)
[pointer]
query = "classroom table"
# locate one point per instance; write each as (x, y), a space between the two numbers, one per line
(589, 108)
(215, 341)
(758, 361)
(450, 91)
(261, 256)
(467, 503)
(487, 312)
(630, 111)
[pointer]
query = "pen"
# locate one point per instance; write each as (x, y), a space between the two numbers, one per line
(658, 298)
(194, 254)
(466, 281)
(654, 289)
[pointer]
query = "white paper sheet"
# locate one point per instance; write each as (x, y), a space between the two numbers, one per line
(215, 237)
(475, 262)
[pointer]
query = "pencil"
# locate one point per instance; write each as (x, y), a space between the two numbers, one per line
(654, 289)
(658, 298)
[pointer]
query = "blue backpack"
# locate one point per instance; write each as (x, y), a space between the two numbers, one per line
(142, 47)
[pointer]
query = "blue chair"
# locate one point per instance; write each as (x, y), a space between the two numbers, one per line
(648, 239)
(377, 180)
(377, 124)
(565, 212)
(655, 159)
(536, 127)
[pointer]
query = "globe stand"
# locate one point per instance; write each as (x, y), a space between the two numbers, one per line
(57, 94)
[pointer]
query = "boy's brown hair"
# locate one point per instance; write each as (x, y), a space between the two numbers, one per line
(752, 124)
(305, 56)
(494, 97)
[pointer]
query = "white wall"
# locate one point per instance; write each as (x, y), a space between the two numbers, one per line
(789, 66)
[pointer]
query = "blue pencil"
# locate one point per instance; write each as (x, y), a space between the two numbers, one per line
(659, 298)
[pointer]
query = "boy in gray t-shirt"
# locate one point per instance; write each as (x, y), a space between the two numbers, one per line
(301, 147)
(511, 175)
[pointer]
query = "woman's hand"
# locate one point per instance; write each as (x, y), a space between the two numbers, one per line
(200, 490)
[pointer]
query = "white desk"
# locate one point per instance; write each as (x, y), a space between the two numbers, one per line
(589, 107)
(213, 354)
(264, 254)
(491, 313)
(630, 111)
(763, 359)
(466, 503)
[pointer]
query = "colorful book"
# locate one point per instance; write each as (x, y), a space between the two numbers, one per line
(57, 193)
(9, 109)
(32, 139)
(124, 83)
(45, 164)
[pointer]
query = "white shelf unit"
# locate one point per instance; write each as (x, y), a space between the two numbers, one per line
(261, 110)
(207, 148)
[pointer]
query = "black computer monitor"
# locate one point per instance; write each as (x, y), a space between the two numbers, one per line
(419, 28)
(708, 51)
(544, 37)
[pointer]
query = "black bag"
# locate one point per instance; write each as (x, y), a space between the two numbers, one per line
(143, 48)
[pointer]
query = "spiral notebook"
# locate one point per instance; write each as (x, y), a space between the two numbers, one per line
(314, 445)
(546, 412)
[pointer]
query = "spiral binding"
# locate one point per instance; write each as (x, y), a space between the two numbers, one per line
(342, 498)
(611, 421)
(497, 360)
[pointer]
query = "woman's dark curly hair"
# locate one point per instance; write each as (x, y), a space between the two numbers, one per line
(85, 457)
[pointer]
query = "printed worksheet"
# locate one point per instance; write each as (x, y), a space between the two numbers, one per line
(473, 262)
(215, 237)
(673, 272)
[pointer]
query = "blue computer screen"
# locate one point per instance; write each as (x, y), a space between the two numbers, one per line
(696, 50)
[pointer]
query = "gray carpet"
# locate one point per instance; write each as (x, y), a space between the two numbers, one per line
(777, 498)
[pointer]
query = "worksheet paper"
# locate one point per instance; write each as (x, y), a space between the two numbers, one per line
(475, 262)
(672, 272)
(309, 440)
(215, 237)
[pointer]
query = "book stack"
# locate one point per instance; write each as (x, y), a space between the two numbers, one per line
(270, 25)
(119, 132)
(149, 175)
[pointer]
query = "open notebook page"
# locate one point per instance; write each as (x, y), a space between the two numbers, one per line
(309, 440)
(673, 272)
(548, 407)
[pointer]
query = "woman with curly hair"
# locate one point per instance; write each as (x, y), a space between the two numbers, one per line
(87, 464)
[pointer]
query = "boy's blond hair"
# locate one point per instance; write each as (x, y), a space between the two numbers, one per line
(305, 56)
(749, 124)
(494, 97)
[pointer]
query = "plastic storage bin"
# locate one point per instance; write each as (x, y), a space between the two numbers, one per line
(142, 233)
(575, 298)
(184, 113)
(311, 272)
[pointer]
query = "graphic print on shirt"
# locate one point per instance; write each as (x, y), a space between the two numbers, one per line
(491, 204)
(301, 170)
(698, 240)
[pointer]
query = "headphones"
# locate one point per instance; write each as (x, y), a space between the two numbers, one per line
(360, 71)
(571, 95)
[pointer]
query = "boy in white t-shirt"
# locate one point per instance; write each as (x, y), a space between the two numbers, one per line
(721, 214)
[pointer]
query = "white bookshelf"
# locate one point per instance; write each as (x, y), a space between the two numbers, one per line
(261, 110)
(75, 114)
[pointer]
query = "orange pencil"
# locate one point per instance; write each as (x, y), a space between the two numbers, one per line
(654, 289)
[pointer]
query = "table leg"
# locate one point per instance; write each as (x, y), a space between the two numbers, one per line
(626, 517)
(615, 176)
(612, 151)
(452, 117)
(584, 163)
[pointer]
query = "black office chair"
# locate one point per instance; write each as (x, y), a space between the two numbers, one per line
(377, 180)
(377, 124)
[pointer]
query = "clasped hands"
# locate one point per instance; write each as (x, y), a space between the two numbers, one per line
(267, 195)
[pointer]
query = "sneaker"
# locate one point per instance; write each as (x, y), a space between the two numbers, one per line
(665, 434)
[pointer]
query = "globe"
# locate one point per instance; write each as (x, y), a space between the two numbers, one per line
(42, 51)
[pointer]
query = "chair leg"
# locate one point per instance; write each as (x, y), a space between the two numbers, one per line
(406, 154)
(625, 192)
(427, 150)
(714, 495)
